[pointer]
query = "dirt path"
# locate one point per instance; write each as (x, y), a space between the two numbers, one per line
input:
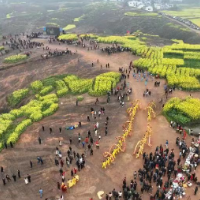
(160, 126)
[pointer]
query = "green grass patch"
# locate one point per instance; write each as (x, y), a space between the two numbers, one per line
(68, 37)
(79, 18)
(14, 123)
(185, 13)
(9, 15)
(15, 58)
(196, 21)
(1, 48)
(148, 14)
(69, 27)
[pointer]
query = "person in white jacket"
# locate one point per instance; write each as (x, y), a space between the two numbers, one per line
(26, 180)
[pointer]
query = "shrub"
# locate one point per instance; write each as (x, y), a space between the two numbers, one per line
(51, 97)
(4, 126)
(36, 86)
(1, 48)
(15, 58)
(80, 86)
(51, 110)
(80, 98)
(46, 90)
(68, 37)
(104, 83)
(62, 89)
(17, 96)
(17, 113)
(18, 130)
(69, 26)
(62, 92)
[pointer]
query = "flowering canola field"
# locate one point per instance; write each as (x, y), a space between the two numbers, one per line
(45, 102)
(178, 63)
(183, 111)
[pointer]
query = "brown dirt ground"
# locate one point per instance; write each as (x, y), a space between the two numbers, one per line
(93, 178)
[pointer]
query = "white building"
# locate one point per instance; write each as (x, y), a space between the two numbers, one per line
(149, 8)
(135, 4)
(157, 6)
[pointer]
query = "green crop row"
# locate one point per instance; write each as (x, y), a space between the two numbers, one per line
(68, 37)
(61, 87)
(36, 86)
(17, 96)
(178, 63)
(16, 121)
(104, 83)
(15, 58)
(1, 48)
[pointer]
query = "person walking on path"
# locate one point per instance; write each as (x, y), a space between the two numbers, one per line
(4, 181)
(14, 177)
(50, 129)
(19, 173)
(61, 163)
(56, 162)
(40, 140)
(11, 144)
(91, 152)
(41, 160)
(70, 140)
(196, 190)
(31, 164)
(5, 145)
(8, 178)
(167, 144)
(26, 180)
(41, 192)
(60, 129)
(72, 173)
(29, 178)
(58, 185)
(43, 128)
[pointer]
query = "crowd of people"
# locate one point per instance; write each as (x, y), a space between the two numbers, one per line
(55, 53)
(160, 167)
(18, 43)
(162, 170)
(115, 49)
(27, 179)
